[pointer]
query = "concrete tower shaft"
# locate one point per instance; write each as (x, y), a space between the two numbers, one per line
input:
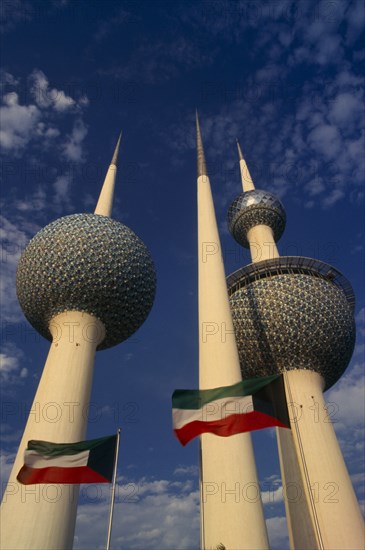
(227, 463)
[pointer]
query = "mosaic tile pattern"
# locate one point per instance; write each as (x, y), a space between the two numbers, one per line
(292, 321)
(255, 208)
(87, 263)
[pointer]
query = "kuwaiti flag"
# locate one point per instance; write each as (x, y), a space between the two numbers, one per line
(83, 462)
(243, 407)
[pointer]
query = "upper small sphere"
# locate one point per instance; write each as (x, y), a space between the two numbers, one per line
(87, 263)
(255, 208)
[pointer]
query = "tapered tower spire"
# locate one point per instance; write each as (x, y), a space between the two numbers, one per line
(246, 179)
(116, 151)
(227, 464)
(201, 164)
(105, 201)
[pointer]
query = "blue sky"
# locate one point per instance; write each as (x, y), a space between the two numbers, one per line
(286, 78)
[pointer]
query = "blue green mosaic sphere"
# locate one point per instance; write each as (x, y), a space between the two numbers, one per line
(253, 208)
(87, 263)
(292, 313)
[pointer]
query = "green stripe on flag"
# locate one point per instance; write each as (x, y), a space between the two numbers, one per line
(196, 399)
(59, 449)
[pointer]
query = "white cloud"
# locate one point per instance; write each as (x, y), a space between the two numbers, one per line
(8, 364)
(348, 395)
(45, 97)
(62, 189)
(14, 240)
(11, 369)
(355, 20)
(182, 470)
(315, 186)
(35, 202)
(347, 410)
(346, 109)
(50, 132)
(7, 79)
(334, 196)
(72, 148)
(34, 127)
(157, 513)
(360, 322)
(273, 496)
(326, 139)
(278, 533)
(6, 464)
(8, 435)
(148, 514)
(18, 123)
(34, 124)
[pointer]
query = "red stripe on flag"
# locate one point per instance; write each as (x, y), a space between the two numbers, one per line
(56, 474)
(231, 425)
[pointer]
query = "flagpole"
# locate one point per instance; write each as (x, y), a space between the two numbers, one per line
(113, 490)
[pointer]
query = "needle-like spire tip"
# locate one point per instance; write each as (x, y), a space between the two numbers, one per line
(202, 167)
(240, 154)
(116, 151)
(105, 202)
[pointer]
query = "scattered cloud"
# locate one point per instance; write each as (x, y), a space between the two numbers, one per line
(182, 470)
(6, 462)
(14, 13)
(18, 123)
(35, 126)
(35, 123)
(11, 370)
(8, 435)
(62, 187)
(348, 406)
(152, 513)
(157, 62)
(13, 242)
(278, 532)
(114, 23)
(45, 97)
(73, 146)
(7, 79)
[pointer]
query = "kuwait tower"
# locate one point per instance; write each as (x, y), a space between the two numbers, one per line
(230, 502)
(86, 283)
(295, 315)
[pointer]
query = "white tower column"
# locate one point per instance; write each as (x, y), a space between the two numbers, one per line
(47, 512)
(231, 508)
(334, 510)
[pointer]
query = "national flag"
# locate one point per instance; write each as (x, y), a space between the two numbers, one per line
(243, 407)
(83, 462)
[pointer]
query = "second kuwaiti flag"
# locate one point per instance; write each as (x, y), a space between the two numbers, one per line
(243, 407)
(83, 462)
